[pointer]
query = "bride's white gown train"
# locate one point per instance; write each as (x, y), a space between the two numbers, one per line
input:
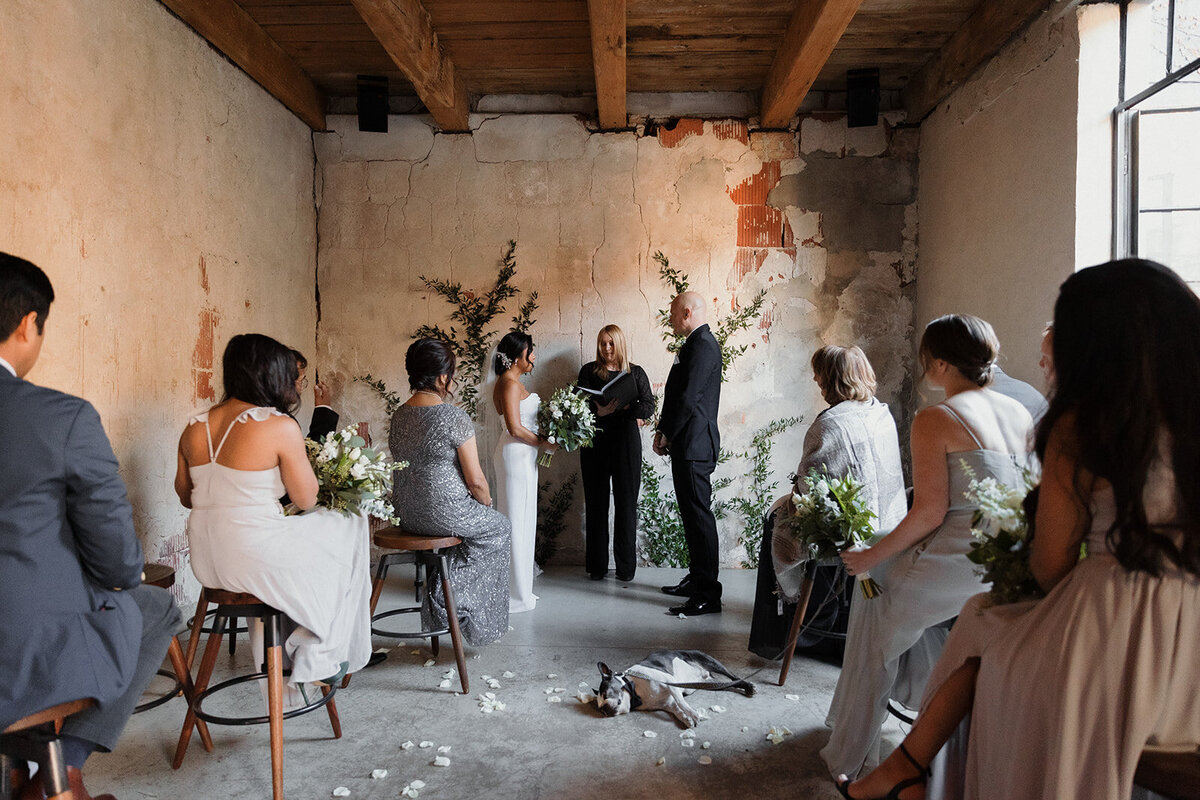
(516, 498)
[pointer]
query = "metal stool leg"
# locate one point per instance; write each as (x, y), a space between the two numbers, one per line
(56, 770)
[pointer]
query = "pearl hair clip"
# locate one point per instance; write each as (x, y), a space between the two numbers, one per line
(505, 361)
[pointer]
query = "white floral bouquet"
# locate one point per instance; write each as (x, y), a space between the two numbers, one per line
(1001, 530)
(353, 478)
(832, 516)
(567, 421)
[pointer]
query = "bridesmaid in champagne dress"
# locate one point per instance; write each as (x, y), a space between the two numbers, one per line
(516, 461)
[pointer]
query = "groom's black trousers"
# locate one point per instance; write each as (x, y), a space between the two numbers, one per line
(693, 490)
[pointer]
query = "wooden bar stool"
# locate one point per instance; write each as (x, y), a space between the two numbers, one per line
(163, 577)
(430, 552)
(35, 738)
(196, 624)
(231, 605)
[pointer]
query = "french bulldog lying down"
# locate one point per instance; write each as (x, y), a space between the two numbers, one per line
(646, 686)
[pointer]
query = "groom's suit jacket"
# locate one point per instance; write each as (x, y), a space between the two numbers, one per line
(66, 545)
(691, 399)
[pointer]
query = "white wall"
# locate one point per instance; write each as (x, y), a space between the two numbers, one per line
(170, 200)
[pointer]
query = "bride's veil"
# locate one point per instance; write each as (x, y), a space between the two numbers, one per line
(488, 424)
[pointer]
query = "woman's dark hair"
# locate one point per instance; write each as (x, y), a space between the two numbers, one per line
(1127, 375)
(426, 360)
(259, 370)
(510, 348)
(964, 342)
(301, 361)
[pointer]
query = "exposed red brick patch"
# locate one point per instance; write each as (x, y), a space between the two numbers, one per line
(683, 129)
(203, 389)
(759, 226)
(754, 190)
(748, 260)
(202, 355)
(732, 129)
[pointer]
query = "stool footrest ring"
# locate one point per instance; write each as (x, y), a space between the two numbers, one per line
(260, 720)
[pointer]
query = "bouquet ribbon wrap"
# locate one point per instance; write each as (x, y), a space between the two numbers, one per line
(870, 588)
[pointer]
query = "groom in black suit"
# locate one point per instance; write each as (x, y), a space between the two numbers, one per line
(687, 430)
(75, 619)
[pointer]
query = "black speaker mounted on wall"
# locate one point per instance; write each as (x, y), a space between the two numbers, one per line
(862, 97)
(373, 103)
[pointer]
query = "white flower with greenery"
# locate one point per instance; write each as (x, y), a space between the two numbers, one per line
(567, 421)
(832, 516)
(352, 478)
(1001, 530)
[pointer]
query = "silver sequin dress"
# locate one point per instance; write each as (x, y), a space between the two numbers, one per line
(431, 499)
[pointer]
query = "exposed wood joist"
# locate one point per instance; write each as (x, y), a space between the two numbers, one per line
(406, 31)
(231, 30)
(607, 21)
(812, 33)
(978, 40)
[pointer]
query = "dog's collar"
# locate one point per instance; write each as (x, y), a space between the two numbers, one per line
(634, 700)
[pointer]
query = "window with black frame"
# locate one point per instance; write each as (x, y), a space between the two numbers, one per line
(1158, 135)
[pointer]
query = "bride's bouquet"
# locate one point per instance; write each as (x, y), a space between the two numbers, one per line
(1001, 531)
(832, 516)
(353, 478)
(565, 420)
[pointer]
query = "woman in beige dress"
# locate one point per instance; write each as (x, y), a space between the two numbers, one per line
(1064, 693)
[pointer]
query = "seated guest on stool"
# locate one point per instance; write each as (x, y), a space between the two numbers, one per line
(324, 419)
(615, 457)
(856, 434)
(443, 493)
(75, 619)
(234, 461)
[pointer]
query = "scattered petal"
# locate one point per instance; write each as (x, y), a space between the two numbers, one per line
(552, 675)
(444, 748)
(548, 690)
(792, 697)
(445, 684)
(489, 695)
(688, 735)
(705, 760)
(493, 684)
(441, 761)
(688, 742)
(426, 743)
(408, 791)
(559, 690)
(719, 709)
(745, 728)
(702, 714)
(775, 735)
(785, 731)
(650, 734)
(508, 673)
(341, 791)
(376, 774)
(661, 761)
(416, 652)
(585, 697)
(706, 745)
(448, 673)
(407, 745)
(683, 616)
(417, 784)
(475, 658)
(511, 628)
(583, 685)
(554, 699)
(429, 662)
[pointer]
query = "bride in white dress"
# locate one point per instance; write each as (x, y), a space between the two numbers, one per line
(235, 462)
(516, 461)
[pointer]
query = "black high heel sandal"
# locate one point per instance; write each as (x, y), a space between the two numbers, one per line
(843, 785)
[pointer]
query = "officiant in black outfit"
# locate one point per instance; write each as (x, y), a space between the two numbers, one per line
(615, 457)
(687, 430)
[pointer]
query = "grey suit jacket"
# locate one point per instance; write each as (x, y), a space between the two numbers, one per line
(66, 545)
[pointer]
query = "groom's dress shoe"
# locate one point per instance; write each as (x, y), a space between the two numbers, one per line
(682, 589)
(694, 608)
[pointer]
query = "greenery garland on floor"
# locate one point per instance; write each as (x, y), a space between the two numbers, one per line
(552, 517)
(662, 543)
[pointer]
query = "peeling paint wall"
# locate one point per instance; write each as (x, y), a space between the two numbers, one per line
(998, 191)
(170, 200)
(825, 220)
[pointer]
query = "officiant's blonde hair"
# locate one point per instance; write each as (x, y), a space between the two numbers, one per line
(844, 373)
(620, 349)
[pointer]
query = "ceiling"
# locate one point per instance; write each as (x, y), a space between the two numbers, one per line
(443, 53)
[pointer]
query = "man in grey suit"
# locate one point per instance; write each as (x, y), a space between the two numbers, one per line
(75, 620)
(687, 430)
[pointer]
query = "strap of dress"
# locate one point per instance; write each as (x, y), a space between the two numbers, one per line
(208, 434)
(242, 417)
(953, 413)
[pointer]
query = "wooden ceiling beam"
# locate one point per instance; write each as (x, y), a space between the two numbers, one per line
(231, 30)
(979, 39)
(406, 31)
(812, 33)
(607, 21)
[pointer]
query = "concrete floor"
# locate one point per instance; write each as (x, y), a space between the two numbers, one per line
(532, 748)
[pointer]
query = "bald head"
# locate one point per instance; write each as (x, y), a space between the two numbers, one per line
(688, 312)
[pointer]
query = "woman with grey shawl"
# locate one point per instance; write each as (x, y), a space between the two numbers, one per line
(856, 434)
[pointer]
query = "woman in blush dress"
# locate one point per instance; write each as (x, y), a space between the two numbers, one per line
(516, 461)
(235, 461)
(1065, 692)
(443, 493)
(855, 435)
(922, 565)
(614, 460)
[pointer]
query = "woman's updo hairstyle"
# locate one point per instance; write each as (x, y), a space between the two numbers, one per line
(257, 369)
(427, 360)
(964, 342)
(510, 349)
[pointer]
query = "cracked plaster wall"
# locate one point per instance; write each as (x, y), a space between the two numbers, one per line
(825, 220)
(170, 200)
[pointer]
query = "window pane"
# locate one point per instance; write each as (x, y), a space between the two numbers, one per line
(1146, 44)
(1169, 160)
(1187, 32)
(1174, 239)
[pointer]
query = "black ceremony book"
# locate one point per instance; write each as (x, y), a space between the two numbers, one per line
(622, 388)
